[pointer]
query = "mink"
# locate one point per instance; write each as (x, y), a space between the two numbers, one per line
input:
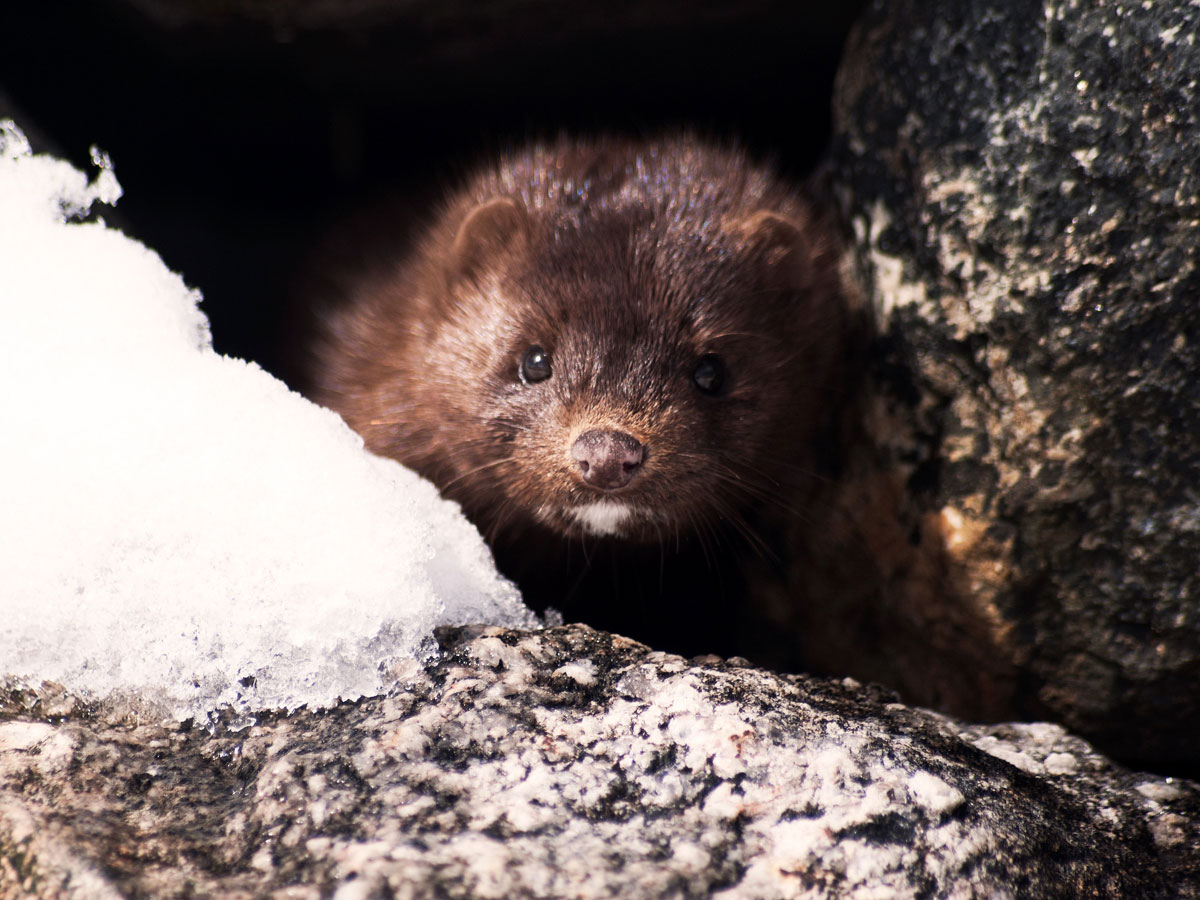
(623, 359)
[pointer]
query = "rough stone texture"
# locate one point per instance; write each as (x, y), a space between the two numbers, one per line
(574, 763)
(1022, 183)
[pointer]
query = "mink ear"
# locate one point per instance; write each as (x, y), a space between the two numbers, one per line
(491, 229)
(780, 242)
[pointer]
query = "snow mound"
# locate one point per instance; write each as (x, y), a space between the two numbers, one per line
(178, 525)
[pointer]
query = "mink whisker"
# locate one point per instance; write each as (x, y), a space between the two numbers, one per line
(487, 465)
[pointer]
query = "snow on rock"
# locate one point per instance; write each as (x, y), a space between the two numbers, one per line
(178, 525)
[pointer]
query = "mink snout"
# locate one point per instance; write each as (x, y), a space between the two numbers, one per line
(608, 459)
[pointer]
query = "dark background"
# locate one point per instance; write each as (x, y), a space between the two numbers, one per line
(242, 130)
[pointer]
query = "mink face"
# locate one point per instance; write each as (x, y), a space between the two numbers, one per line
(632, 342)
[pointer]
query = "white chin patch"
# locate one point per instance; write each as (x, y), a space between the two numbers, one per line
(604, 519)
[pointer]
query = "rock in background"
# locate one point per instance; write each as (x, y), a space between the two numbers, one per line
(1021, 181)
(570, 763)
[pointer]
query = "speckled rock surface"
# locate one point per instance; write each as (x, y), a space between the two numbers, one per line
(1022, 183)
(572, 763)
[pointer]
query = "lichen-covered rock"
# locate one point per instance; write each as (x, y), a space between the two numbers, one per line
(571, 763)
(1022, 183)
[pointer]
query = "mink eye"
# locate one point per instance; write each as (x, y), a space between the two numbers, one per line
(535, 365)
(710, 374)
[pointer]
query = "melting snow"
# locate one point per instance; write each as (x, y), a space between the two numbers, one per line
(178, 525)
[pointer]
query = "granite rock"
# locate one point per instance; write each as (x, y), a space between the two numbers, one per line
(574, 763)
(1020, 183)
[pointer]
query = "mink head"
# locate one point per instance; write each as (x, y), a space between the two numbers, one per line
(627, 341)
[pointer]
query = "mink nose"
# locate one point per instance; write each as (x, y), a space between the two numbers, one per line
(608, 459)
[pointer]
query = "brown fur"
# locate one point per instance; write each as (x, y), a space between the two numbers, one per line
(627, 262)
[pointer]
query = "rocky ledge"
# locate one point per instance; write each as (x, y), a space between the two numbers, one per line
(572, 763)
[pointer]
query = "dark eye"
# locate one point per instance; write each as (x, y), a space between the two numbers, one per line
(710, 374)
(535, 365)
